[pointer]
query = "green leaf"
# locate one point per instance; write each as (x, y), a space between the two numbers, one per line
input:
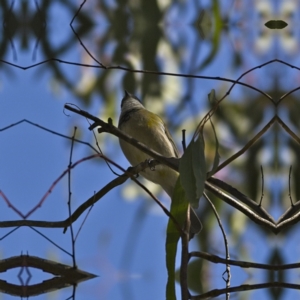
(276, 24)
(216, 35)
(192, 170)
(179, 206)
(188, 180)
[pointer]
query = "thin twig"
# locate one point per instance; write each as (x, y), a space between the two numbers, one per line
(99, 65)
(85, 218)
(227, 280)
(96, 197)
(243, 264)
(246, 287)
(50, 241)
(247, 146)
(70, 197)
(290, 194)
(288, 130)
(237, 81)
(75, 33)
(262, 185)
(245, 210)
(243, 198)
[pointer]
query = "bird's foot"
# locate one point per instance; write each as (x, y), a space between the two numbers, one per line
(152, 163)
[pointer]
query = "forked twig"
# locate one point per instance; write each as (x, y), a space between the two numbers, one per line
(247, 146)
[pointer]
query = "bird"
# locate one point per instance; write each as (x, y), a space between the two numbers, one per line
(148, 128)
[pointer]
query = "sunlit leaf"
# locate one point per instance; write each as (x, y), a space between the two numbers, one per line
(179, 206)
(216, 35)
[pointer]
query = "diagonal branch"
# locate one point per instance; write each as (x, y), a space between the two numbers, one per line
(173, 163)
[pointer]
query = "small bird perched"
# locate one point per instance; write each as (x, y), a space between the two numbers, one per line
(149, 129)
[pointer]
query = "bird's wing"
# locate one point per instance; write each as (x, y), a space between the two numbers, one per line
(171, 141)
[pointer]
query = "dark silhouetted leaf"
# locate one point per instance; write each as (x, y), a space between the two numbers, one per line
(276, 24)
(192, 169)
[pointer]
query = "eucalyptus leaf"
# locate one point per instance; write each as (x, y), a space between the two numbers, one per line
(187, 178)
(179, 206)
(192, 170)
(276, 24)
